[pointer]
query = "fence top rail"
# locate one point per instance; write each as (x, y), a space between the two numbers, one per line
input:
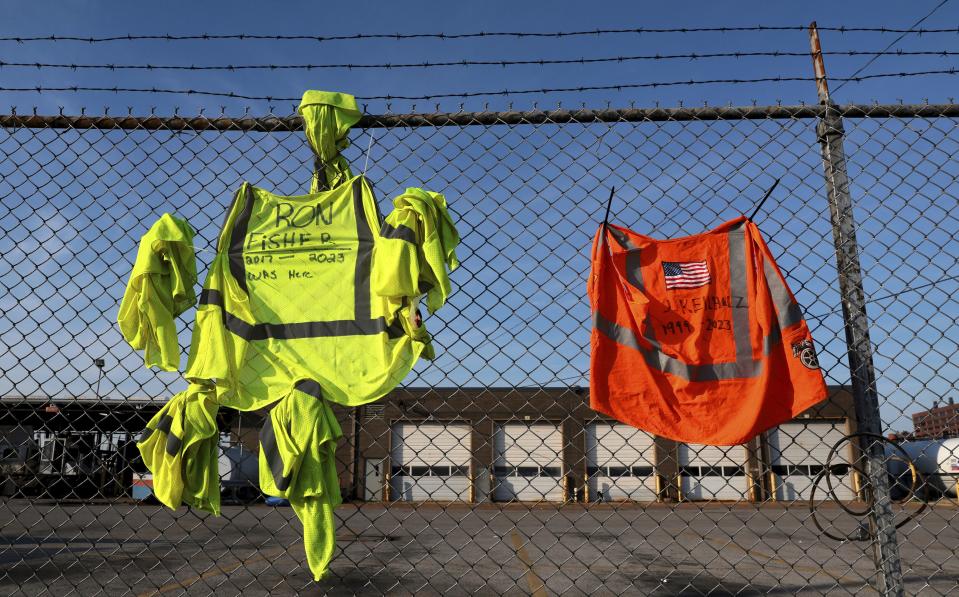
(272, 123)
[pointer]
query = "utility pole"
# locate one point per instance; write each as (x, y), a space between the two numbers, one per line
(859, 348)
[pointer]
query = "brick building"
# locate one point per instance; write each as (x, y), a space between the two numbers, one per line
(546, 444)
(938, 421)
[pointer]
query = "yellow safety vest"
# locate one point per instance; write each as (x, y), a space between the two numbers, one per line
(296, 310)
(160, 288)
(180, 446)
(288, 298)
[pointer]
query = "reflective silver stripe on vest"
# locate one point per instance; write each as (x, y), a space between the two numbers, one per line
(268, 436)
(173, 443)
(660, 361)
(304, 329)
(238, 236)
(621, 238)
(774, 338)
(787, 310)
(310, 388)
(272, 455)
(364, 255)
(738, 287)
(634, 274)
(400, 232)
(634, 268)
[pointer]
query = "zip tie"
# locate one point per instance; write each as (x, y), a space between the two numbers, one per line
(368, 148)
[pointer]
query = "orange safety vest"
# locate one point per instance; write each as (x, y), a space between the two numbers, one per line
(697, 339)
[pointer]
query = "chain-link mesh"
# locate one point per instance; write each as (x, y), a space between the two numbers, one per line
(486, 472)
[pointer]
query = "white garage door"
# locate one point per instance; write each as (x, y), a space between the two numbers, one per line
(620, 463)
(798, 451)
(528, 462)
(712, 472)
(430, 461)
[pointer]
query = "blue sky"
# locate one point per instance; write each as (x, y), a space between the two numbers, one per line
(101, 18)
(527, 199)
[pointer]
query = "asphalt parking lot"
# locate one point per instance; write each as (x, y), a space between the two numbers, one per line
(607, 549)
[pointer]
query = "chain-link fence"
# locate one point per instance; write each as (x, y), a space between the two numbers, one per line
(486, 471)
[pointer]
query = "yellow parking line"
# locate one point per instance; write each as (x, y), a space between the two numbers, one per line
(218, 571)
(536, 586)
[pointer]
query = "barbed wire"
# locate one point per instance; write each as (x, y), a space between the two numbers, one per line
(454, 63)
(894, 42)
(468, 94)
(905, 290)
(478, 34)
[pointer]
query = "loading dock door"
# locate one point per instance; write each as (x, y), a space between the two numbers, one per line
(620, 463)
(430, 461)
(528, 462)
(798, 452)
(712, 472)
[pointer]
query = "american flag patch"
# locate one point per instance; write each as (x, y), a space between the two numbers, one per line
(686, 274)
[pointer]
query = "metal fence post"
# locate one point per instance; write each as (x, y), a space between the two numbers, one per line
(859, 349)
(830, 133)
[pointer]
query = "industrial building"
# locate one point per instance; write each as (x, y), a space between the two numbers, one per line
(503, 444)
(937, 422)
(444, 444)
